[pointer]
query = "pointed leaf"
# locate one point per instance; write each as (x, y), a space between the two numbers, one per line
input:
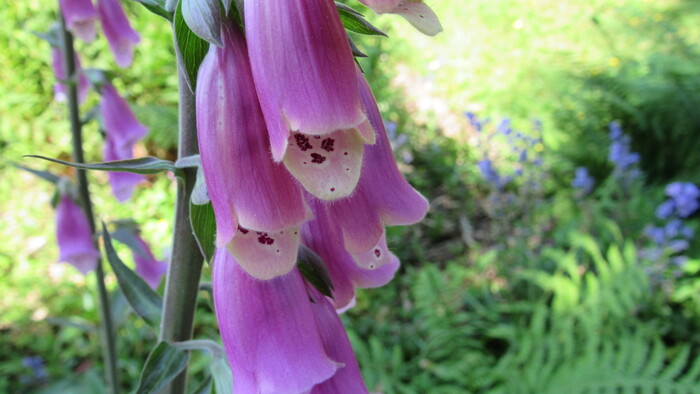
(146, 302)
(356, 52)
(45, 175)
(355, 22)
(157, 7)
(163, 364)
(203, 224)
(190, 48)
(143, 165)
(314, 270)
(203, 17)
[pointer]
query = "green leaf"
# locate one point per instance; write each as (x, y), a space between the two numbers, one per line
(203, 224)
(157, 7)
(314, 270)
(220, 370)
(205, 387)
(143, 165)
(190, 48)
(203, 17)
(45, 175)
(355, 22)
(163, 364)
(356, 52)
(146, 302)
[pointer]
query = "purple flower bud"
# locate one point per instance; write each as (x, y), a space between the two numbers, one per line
(489, 173)
(80, 18)
(75, 244)
(120, 35)
(673, 228)
(150, 269)
(122, 183)
(419, 14)
(258, 205)
(269, 330)
(305, 77)
(59, 89)
(657, 234)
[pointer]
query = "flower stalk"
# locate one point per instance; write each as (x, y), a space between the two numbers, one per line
(184, 271)
(108, 343)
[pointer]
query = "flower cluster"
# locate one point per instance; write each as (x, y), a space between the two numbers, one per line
(674, 236)
(583, 181)
(294, 154)
(81, 15)
(624, 160)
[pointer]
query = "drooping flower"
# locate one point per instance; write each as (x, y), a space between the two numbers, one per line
(60, 93)
(685, 197)
(382, 196)
(75, 243)
(120, 35)
(373, 268)
(269, 330)
(147, 266)
(257, 203)
(122, 131)
(419, 14)
(80, 18)
(305, 78)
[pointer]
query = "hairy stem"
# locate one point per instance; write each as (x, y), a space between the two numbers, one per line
(182, 284)
(108, 340)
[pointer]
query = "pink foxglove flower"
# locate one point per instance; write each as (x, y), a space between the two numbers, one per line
(382, 197)
(269, 331)
(80, 18)
(257, 203)
(419, 14)
(122, 131)
(147, 266)
(121, 36)
(305, 77)
(75, 243)
(60, 93)
(373, 268)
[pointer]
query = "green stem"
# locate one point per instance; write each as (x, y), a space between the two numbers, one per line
(108, 343)
(182, 284)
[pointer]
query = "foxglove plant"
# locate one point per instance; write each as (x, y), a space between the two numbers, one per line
(74, 237)
(147, 266)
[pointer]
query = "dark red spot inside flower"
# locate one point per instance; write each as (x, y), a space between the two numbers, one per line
(346, 153)
(302, 142)
(327, 144)
(265, 240)
(317, 136)
(242, 230)
(377, 252)
(318, 159)
(332, 189)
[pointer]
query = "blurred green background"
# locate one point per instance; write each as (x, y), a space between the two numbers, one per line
(528, 286)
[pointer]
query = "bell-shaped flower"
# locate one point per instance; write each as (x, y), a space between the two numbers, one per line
(147, 266)
(372, 268)
(419, 14)
(120, 35)
(257, 203)
(305, 77)
(60, 93)
(382, 197)
(80, 16)
(269, 330)
(122, 183)
(75, 242)
(120, 123)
